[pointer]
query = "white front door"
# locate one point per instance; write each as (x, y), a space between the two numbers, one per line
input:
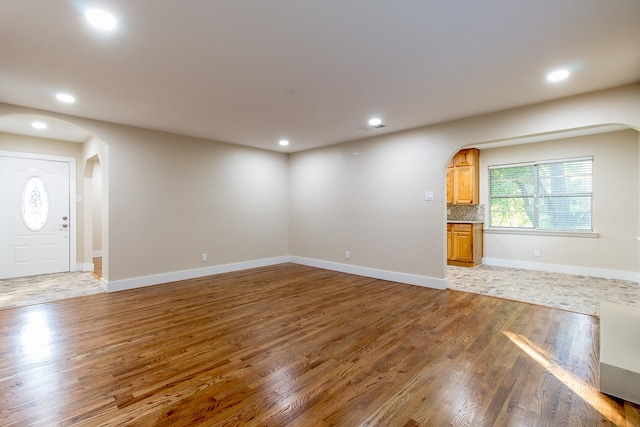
(34, 216)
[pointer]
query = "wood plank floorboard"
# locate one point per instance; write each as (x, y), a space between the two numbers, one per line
(291, 345)
(97, 267)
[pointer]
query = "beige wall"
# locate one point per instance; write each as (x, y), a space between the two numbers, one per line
(367, 197)
(170, 198)
(373, 204)
(95, 155)
(35, 145)
(615, 205)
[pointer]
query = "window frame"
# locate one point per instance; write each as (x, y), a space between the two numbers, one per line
(536, 195)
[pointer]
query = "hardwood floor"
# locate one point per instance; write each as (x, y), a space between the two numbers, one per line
(295, 345)
(97, 267)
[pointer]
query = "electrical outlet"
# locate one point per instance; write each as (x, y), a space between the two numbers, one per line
(429, 196)
(536, 252)
(347, 255)
(204, 258)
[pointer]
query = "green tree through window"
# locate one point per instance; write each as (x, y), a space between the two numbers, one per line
(553, 195)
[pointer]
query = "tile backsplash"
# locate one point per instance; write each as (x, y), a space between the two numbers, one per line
(465, 213)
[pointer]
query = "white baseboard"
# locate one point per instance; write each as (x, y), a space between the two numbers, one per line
(411, 279)
(567, 269)
(97, 254)
(157, 279)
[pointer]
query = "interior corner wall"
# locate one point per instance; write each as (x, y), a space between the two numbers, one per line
(367, 197)
(170, 199)
(174, 198)
(615, 207)
(373, 205)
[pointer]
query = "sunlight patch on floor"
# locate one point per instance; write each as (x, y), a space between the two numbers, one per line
(587, 392)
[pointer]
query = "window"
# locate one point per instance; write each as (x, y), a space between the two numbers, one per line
(35, 204)
(553, 195)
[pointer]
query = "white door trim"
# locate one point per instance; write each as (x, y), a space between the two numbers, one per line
(73, 198)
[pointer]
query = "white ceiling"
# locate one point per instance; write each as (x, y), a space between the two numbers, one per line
(56, 129)
(252, 72)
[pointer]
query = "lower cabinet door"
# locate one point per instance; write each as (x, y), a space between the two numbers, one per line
(462, 243)
(462, 247)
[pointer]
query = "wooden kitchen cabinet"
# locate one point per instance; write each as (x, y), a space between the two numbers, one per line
(449, 241)
(465, 185)
(463, 177)
(464, 244)
(468, 157)
(450, 186)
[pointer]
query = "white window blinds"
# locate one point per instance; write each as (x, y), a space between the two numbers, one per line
(553, 195)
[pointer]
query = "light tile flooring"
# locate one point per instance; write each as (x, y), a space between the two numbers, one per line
(31, 290)
(580, 294)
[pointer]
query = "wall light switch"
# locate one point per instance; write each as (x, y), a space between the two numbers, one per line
(429, 196)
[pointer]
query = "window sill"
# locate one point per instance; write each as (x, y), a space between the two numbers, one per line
(588, 234)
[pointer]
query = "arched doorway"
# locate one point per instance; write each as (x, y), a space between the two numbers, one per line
(55, 138)
(93, 215)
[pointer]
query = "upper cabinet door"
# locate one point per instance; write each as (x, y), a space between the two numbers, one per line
(450, 186)
(464, 190)
(466, 157)
(462, 179)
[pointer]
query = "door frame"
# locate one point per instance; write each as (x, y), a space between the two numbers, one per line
(73, 197)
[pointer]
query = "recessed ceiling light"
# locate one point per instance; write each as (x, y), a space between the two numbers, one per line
(100, 19)
(39, 125)
(375, 122)
(284, 142)
(557, 75)
(65, 97)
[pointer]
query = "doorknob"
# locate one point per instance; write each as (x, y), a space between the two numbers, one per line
(64, 218)
(65, 225)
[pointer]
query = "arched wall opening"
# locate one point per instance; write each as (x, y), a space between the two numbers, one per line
(70, 140)
(611, 253)
(93, 215)
(413, 248)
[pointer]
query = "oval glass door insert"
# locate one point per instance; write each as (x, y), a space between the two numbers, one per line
(35, 204)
